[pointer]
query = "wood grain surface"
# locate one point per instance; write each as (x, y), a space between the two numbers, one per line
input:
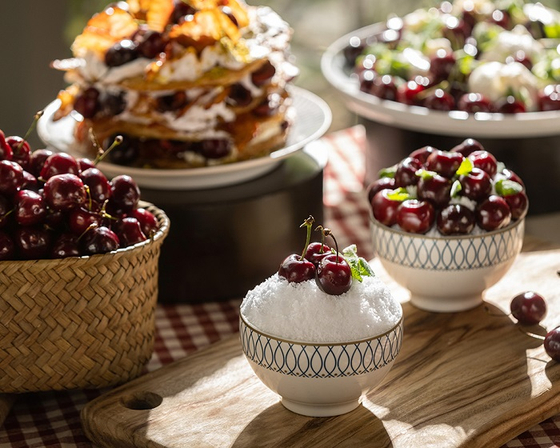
(471, 379)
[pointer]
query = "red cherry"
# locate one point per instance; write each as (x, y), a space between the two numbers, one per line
(445, 163)
(476, 185)
(510, 175)
(30, 209)
(549, 98)
(296, 269)
(485, 161)
(384, 87)
(65, 192)
(422, 154)
(125, 195)
(440, 100)
(415, 216)
(99, 185)
(20, 150)
(11, 177)
(5, 209)
(493, 213)
(473, 103)
(455, 219)
(37, 160)
(407, 93)
(81, 219)
(383, 183)
(148, 221)
(99, 240)
(6, 152)
(334, 275)
(59, 163)
(518, 204)
(510, 105)
(435, 188)
(552, 344)
(129, 232)
(529, 308)
(65, 245)
(384, 208)
(441, 64)
(316, 252)
(467, 147)
(7, 247)
(405, 174)
(32, 242)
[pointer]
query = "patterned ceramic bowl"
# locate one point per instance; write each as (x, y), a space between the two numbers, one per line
(447, 274)
(320, 380)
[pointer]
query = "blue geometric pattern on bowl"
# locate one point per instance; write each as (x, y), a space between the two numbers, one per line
(449, 253)
(320, 360)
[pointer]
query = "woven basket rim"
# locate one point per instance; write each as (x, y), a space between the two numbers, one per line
(161, 233)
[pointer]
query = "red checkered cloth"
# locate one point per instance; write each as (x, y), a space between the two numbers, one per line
(53, 418)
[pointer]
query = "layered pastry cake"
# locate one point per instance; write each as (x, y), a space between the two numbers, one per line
(186, 83)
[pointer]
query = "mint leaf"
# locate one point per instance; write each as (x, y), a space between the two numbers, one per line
(388, 172)
(359, 266)
(506, 187)
(425, 174)
(455, 189)
(399, 194)
(465, 167)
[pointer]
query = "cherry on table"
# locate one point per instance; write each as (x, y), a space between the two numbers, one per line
(529, 308)
(334, 275)
(552, 344)
(415, 216)
(455, 219)
(493, 213)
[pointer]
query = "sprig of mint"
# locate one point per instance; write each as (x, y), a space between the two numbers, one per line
(359, 266)
(398, 194)
(506, 187)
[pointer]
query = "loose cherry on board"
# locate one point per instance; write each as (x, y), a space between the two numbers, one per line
(295, 267)
(529, 308)
(552, 344)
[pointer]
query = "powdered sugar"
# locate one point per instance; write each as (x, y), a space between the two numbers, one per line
(302, 312)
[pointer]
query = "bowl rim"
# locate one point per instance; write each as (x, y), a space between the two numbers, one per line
(321, 344)
(402, 233)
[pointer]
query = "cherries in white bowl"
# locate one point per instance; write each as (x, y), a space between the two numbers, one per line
(448, 224)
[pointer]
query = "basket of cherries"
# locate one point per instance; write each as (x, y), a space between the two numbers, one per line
(78, 271)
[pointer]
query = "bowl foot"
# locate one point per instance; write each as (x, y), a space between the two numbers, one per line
(444, 304)
(320, 410)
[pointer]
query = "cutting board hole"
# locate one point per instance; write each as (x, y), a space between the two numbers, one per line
(142, 401)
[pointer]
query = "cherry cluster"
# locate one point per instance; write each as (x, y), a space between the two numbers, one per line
(529, 308)
(455, 191)
(53, 205)
(318, 261)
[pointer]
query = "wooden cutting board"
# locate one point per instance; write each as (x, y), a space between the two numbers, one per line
(470, 379)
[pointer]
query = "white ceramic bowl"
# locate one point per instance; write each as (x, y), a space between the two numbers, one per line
(447, 273)
(320, 380)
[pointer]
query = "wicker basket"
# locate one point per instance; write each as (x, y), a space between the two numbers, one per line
(85, 322)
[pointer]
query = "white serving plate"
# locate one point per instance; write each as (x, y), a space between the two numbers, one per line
(312, 119)
(416, 118)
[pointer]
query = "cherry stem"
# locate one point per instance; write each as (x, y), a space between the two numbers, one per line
(31, 127)
(102, 154)
(533, 335)
(327, 232)
(307, 223)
